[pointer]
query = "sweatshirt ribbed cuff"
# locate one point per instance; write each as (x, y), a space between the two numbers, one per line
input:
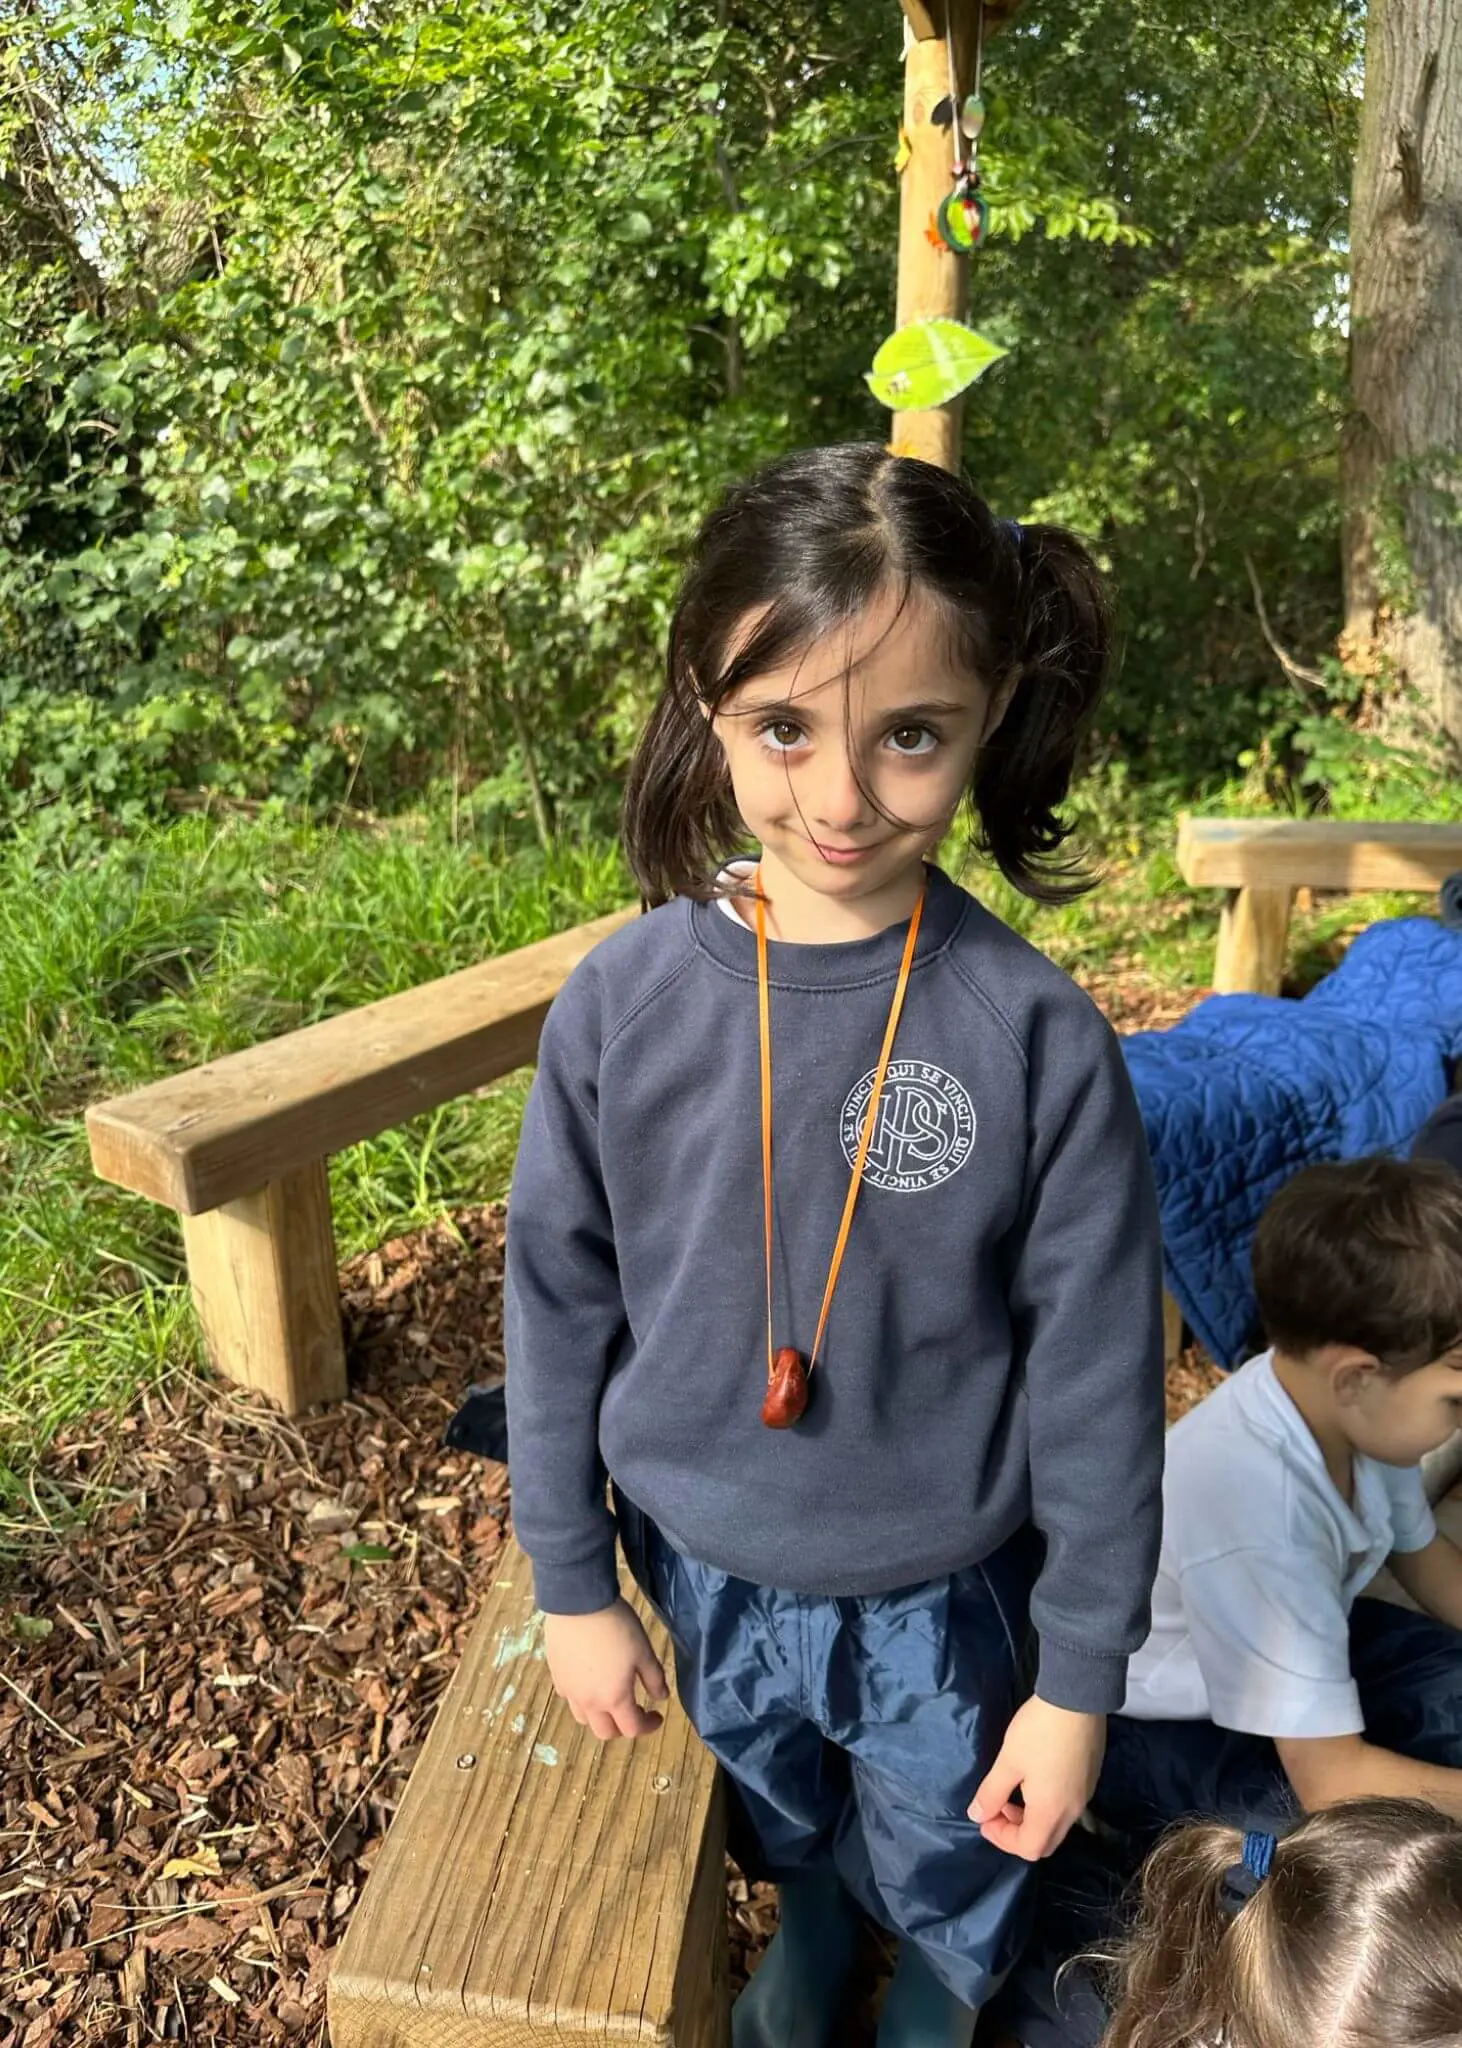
(1083, 1682)
(582, 1588)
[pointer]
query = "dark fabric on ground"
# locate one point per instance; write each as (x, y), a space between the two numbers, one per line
(480, 1425)
(1440, 1137)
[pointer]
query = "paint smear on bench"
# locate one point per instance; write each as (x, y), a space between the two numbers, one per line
(515, 1643)
(545, 1753)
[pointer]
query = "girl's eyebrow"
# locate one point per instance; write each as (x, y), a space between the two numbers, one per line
(902, 714)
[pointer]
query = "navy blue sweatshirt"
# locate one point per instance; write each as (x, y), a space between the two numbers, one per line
(994, 1354)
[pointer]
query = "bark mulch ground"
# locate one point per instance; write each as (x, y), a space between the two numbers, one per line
(213, 1688)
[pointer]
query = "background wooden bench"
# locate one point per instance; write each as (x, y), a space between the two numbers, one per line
(536, 1884)
(1260, 862)
(239, 1147)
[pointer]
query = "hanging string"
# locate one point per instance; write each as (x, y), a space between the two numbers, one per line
(956, 133)
(956, 130)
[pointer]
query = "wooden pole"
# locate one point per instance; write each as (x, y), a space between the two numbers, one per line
(932, 280)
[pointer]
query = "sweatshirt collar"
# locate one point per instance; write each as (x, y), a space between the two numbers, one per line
(854, 964)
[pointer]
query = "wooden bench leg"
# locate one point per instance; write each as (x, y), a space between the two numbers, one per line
(1172, 1330)
(1253, 932)
(267, 1292)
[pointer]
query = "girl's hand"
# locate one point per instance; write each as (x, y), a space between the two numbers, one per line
(594, 1660)
(1053, 1757)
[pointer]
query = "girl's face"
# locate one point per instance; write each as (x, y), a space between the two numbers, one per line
(849, 764)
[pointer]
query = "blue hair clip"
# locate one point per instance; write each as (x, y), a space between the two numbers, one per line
(1244, 1879)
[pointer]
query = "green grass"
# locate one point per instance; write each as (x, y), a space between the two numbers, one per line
(163, 952)
(170, 949)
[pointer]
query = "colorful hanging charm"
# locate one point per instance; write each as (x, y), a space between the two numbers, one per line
(788, 1376)
(963, 218)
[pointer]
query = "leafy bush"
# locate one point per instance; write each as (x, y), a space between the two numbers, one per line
(364, 372)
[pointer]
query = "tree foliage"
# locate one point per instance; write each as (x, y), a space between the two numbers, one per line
(364, 370)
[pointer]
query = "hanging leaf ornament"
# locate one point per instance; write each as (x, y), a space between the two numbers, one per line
(929, 362)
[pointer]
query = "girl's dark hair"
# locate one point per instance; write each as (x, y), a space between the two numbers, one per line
(1365, 1252)
(1354, 1939)
(808, 543)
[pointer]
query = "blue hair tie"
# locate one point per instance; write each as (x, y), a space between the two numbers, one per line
(1016, 531)
(1244, 1879)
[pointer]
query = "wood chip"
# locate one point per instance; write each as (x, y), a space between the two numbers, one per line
(225, 1714)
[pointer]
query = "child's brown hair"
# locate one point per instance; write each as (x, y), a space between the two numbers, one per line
(1365, 1252)
(1353, 1940)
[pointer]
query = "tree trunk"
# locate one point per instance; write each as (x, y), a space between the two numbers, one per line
(1402, 455)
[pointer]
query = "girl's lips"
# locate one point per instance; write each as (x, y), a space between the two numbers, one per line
(844, 856)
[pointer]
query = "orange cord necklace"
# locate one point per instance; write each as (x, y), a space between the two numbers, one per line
(787, 1376)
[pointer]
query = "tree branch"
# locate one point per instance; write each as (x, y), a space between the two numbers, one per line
(1308, 680)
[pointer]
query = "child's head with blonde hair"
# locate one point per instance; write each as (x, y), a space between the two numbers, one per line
(1353, 1939)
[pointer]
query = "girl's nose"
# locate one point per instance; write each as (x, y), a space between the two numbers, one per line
(841, 806)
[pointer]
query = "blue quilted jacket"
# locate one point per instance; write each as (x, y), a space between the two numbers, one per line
(1248, 1089)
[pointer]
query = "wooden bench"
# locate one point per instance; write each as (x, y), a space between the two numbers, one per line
(537, 1885)
(1260, 862)
(239, 1147)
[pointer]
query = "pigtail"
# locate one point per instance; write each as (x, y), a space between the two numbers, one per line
(1061, 647)
(1171, 1971)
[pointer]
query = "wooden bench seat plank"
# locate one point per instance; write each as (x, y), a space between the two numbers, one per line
(554, 1888)
(1316, 853)
(197, 1140)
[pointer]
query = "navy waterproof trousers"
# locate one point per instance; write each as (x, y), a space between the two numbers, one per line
(855, 1733)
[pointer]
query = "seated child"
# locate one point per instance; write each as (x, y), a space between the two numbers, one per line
(1347, 1931)
(1266, 1685)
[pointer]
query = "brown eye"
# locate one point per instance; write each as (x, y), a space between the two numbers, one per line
(913, 739)
(782, 733)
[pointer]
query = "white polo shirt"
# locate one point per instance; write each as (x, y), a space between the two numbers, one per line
(1262, 1561)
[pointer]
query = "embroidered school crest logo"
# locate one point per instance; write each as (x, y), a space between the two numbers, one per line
(925, 1130)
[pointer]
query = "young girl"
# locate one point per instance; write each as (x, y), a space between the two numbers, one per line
(832, 1241)
(1352, 1937)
